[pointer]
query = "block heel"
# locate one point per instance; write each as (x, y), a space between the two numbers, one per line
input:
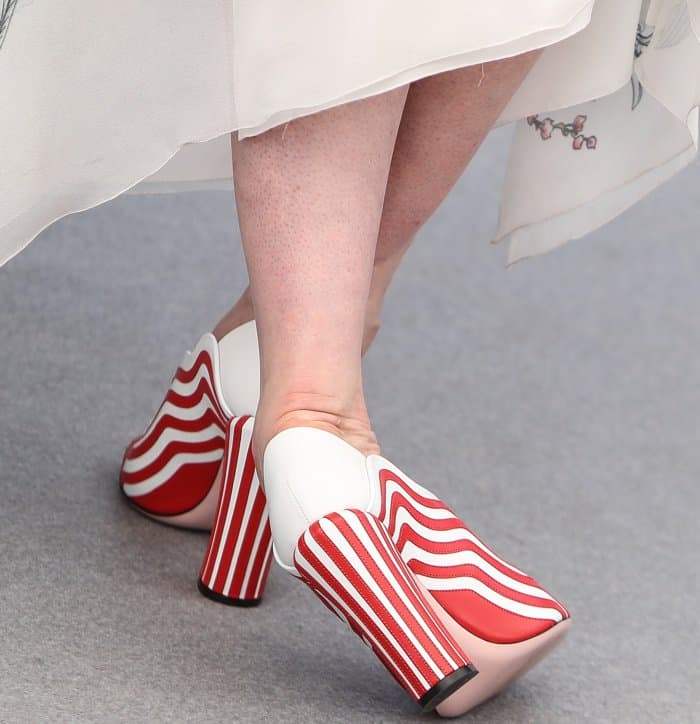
(239, 552)
(350, 562)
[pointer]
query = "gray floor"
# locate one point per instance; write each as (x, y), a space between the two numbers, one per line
(555, 405)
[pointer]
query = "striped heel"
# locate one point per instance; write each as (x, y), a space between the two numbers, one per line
(348, 559)
(237, 561)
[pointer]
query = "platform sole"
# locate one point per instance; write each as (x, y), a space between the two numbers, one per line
(499, 664)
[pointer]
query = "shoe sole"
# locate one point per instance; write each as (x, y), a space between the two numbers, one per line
(498, 664)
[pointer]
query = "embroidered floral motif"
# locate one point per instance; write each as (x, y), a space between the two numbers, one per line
(7, 8)
(547, 126)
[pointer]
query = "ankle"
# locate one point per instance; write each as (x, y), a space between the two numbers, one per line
(349, 422)
(239, 314)
(372, 325)
(242, 312)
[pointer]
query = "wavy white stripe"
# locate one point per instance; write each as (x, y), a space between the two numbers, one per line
(393, 488)
(181, 413)
(170, 435)
(376, 463)
(155, 481)
(185, 389)
(404, 517)
(451, 560)
(209, 344)
(466, 583)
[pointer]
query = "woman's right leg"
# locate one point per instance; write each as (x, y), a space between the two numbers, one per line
(309, 206)
(445, 119)
(309, 200)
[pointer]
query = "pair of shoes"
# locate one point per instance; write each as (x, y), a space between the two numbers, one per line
(194, 466)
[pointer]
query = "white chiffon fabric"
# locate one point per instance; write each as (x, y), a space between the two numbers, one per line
(99, 98)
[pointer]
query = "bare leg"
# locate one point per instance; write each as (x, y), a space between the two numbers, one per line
(309, 207)
(445, 120)
(240, 313)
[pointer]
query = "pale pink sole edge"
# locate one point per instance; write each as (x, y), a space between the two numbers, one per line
(498, 664)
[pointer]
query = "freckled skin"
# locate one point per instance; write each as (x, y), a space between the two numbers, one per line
(328, 204)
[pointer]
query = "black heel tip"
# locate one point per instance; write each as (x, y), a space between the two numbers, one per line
(220, 598)
(447, 687)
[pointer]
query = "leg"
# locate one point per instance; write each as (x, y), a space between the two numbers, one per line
(445, 120)
(309, 207)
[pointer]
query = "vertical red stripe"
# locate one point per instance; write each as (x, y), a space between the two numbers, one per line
(256, 552)
(314, 573)
(402, 592)
(233, 440)
(262, 563)
(238, 531)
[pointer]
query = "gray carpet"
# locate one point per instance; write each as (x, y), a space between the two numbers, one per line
(555, 405)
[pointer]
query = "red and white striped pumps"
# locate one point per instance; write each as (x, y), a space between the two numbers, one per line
(500, 616)
(172, 472)
(345, 555)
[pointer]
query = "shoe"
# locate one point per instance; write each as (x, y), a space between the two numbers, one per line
(184, 466)
(172, 472)
(321, 497)
(498, 614)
